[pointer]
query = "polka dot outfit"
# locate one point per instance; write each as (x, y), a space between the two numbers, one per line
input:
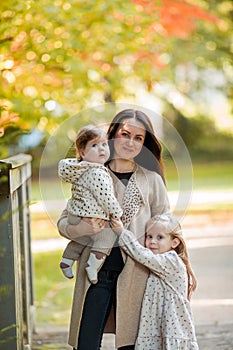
(166, 319)
(92, 189)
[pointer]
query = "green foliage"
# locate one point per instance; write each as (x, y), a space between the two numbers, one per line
(68, 51)
(200, 135)
(215, 147)
(3, 334)
(60, 57)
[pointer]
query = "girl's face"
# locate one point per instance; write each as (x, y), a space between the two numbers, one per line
(129, 139)
(96, 150)
(158, 240)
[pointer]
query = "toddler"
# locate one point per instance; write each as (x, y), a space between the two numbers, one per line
(92, 196)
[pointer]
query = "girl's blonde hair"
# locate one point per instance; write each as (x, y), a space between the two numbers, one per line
(174, 230)
(86, 134)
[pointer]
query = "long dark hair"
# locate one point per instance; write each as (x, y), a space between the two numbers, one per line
(150, 155)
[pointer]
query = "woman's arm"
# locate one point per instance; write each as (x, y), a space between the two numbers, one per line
(86, 226)
(159, 197)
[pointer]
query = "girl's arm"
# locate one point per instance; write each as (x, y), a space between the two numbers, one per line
(160, 264)
(86, 226)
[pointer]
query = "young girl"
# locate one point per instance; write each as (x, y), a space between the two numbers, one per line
(166, 319)
(92, 196)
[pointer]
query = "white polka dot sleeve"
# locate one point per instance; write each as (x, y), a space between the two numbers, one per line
(68, 170)
(160, 264)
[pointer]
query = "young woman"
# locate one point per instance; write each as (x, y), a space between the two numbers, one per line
(113, 304)
(166, 319)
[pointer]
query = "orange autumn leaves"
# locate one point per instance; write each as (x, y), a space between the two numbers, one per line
(174, 17)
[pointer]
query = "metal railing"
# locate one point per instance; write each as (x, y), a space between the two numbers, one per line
(16, 277)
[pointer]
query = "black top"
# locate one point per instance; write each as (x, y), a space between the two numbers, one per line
(114, 262)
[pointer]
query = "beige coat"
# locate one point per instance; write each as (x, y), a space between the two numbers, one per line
(148, 196)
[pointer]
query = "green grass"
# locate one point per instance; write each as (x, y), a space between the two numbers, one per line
(53, 292)
(213, 176)
(206, 176)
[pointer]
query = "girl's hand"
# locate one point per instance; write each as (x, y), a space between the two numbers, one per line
(116, 225)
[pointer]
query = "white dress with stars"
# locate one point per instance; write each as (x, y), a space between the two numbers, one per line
(166, 321)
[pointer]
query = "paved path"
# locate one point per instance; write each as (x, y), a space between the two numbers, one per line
(212, 304)
(209, 338)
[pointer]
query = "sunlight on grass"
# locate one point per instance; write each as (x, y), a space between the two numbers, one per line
(213, 176)
(206, 176)
(42, 227)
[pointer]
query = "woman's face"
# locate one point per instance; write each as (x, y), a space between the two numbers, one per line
(129, 139)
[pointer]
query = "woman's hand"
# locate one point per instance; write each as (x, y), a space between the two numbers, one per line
(93, 225)
(116, 225)
(86, 227)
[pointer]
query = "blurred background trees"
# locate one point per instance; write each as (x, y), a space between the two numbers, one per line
(60, 57)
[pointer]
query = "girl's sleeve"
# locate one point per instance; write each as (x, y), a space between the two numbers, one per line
(101, 185)
(68, 170)
(160, 264)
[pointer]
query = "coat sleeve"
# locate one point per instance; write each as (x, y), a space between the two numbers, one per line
(159, 201)
(160, 264)
(101, 185)
(62, 224)
(75, 231)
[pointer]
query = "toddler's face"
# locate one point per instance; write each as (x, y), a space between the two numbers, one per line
(96, 150)
(158, 240)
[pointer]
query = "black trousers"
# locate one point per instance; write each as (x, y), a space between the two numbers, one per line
(99, 300)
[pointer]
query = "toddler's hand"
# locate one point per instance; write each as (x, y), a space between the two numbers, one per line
(116, 225)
